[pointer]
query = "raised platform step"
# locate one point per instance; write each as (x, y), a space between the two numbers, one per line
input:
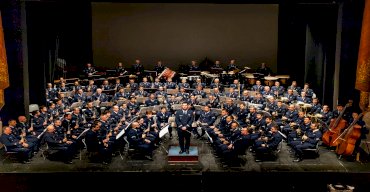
(175, 157)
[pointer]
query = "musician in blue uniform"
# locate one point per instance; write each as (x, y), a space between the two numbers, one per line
(206, 117)
(277, 89)
(99, 96)
(95, 144)
(89, 69)
(257, 87)
(138, 69)
(120, 70)
(216, 84)
(184, 119)
(138, 140)
(309, 140)
(268, 143)
(91, 87)
(23, 150)
(151, 101)
(145, 83)
(141, 92)
(159, 67)
(162, 119)
(194, 66)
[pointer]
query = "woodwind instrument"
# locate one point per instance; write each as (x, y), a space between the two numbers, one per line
(107, 138)
(239, 90)
(23, 135)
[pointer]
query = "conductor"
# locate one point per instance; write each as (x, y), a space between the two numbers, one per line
(184, 119)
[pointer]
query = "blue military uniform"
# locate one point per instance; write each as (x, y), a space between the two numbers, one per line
(184, 119)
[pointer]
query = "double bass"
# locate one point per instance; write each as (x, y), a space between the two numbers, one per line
(348, 138)
(335, 128)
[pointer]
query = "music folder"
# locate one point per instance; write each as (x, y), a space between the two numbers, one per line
(163, 131)
(122, 132)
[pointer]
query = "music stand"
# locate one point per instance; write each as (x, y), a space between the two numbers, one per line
(82, 134)
(141, 99)
(172, 91)
(216, 111)
(76, 104)
(198, 107)
(163, 131)
(96, 103)
(120, 102)
(193, 73)
(176, 107)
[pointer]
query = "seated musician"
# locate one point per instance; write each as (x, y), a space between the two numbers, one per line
(89, 70)
(197, 83)
(224, 142)
(220, 126)
(157, 83)
(95, 143)
(339, 109)
(241, 113)
(271, 104)
(38, 122)
(217, 93)
(237, 144)
(303, 127)
(51, 93)
(90, 113)
(141, 92)
(151, 101)
(306, 88)
(303, 98)
(91, 87)
(291, 97)
(267, 143)
(172, 101)
(64, 146)
(22, 125)
(161, 92)
(99, 96)
(307, 141)
(121, 94)
(133, 106)
(212, 102)
(222, 133)
(125, 111)
(258, 99)
(120, 70)
(117, 85)
(132, 85)
(183, 84)
(216, 84)
(80, 96)
(192, 101)
(199, 92)
(232, 93)
(236, 85)
(116, 115)
(252, 115)
(169, 84)
(151, 127)
(162, 119)
(138, 140)
(257, 87)
(206, 117)
(76, 86)
(23, 149)
(145, 83)
(290, 115)
(267, 92)
(360, 124)
(277, 89)
(63, 88)
(327, 115)
(230, 106)
(259, 122)
(194, 66)
(316, 106)
(159, 67)
(217, 65)
(280, 110)
(106, 85)
(185, 96)
(294, 87)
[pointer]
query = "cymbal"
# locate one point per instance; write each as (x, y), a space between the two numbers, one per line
(270, 78)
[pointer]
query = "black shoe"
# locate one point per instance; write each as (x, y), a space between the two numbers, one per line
(297, 159)
(68, 162)
(170, 136)
(187, 151)
(181, 152)
(26, 162)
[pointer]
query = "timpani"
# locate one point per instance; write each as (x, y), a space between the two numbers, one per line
(283, 78)
(269, 80)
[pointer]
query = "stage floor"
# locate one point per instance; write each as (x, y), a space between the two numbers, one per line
(325, 167)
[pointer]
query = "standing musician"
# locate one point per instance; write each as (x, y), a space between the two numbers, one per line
(95, 143)
(159, 67)
(120, 70)
(231, 66)
(89, 69)
(194, 66)
(138, 69)
(184, 119)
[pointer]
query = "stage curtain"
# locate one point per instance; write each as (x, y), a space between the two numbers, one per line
(363, 62)
(4, 75)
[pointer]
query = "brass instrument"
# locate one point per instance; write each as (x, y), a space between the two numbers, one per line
(239, 90)
(23, 135)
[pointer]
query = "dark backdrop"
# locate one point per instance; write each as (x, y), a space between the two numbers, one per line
(179, 33)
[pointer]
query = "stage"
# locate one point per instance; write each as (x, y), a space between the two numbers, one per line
(205, 173)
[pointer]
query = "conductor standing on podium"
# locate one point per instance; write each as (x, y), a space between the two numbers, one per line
(184, 119)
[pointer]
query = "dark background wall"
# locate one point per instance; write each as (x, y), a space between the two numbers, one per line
(179, 33)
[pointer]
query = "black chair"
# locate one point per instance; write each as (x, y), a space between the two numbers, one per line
(313, 152)
(8, 154)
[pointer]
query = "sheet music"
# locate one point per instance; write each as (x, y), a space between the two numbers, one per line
(163, 131)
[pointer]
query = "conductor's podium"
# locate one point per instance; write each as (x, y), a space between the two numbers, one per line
(175, 157)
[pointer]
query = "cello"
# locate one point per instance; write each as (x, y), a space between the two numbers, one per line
(348, 138)
(335, 128)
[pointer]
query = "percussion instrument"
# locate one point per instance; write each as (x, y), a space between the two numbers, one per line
(167, 73)
(193, 77)
(251, 79)
(283, 78)
(269, 81)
